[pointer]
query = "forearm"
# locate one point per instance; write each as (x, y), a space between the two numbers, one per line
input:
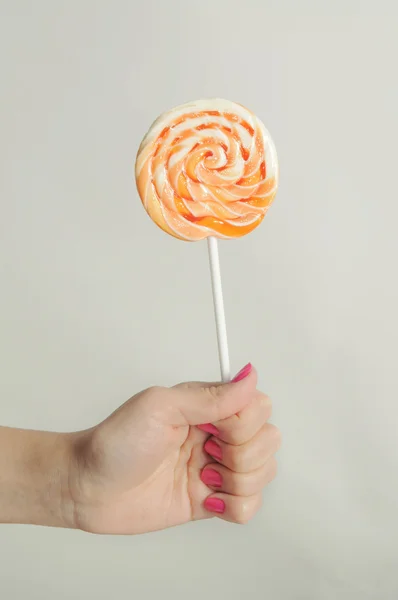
(34, 478)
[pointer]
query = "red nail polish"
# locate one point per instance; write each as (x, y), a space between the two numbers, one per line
(213, 449)
(215, 505)
(243, 373)
(211, 477)
(209, 428)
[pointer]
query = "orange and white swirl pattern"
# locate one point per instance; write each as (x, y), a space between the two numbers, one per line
(207, 168)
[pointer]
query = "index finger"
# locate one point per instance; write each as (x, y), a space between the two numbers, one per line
(243, 426)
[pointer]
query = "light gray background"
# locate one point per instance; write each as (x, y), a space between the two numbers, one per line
(97, 303)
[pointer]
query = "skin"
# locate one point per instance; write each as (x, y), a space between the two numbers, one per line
(141, 469)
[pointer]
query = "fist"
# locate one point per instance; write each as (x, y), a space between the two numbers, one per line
(172, 455)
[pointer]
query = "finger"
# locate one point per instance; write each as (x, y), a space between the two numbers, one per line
(220, 479)
(249, 456)
(243, 426)
(193, 405)
(236, 509)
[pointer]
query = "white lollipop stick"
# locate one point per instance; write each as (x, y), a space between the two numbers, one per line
(219, 309)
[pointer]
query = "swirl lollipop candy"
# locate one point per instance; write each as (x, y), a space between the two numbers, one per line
(208, 169)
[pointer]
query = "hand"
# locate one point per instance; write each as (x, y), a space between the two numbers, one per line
(152, 464)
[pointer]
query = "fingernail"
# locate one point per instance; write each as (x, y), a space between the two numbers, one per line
(215, 505)
(243, 373)
(213, 449)
(211, 477)
(209, 428)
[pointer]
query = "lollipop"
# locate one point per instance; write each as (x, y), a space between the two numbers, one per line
(208, 169)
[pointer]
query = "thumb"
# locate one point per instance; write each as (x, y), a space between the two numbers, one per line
(199, 403)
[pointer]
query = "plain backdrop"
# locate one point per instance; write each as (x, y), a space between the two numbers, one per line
(97, 303)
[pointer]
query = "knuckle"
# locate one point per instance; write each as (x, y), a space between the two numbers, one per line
(213, 391)
(245, 424)
(155, 401)
(274, 435)
(242, 519)
(236, 434)
(267, 407)
(272, 469)
(243, 516)
(153, 395)
(240, 485)
(246, 510)
(265, 400)
(239, 458)
(249, 484)
(154, 391)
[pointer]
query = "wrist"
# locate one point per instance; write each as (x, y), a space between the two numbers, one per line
(83, 498)
(58, 468)
(34, 473)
